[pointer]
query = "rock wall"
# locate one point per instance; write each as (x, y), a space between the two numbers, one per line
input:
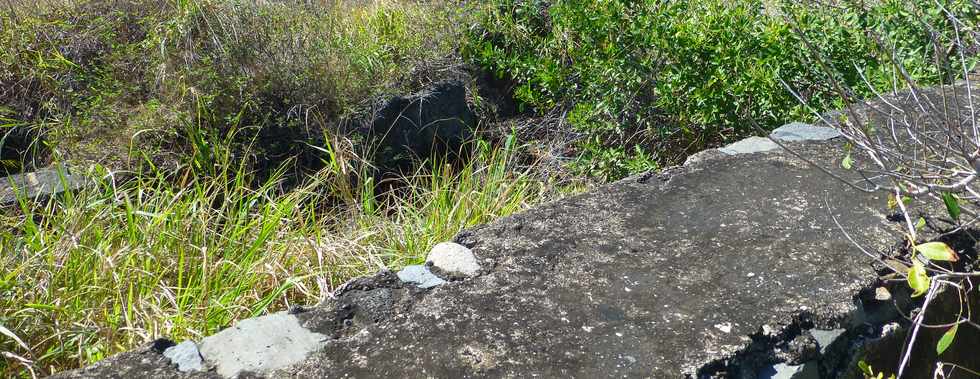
(729, 266)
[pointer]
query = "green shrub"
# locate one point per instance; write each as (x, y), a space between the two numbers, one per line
(650, 81)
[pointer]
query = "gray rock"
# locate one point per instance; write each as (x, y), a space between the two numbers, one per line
(420, 276)
(260, 345)
(798, 131)
(41, 183)
(186, 356)
(626, 269)
(453, 259)
(825, 338)
(146, 361)
(803, 348)
(749, 145)
(784, 371)
(676, 273)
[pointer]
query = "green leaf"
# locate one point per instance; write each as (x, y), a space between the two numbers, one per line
(937, 251)
(952, 205)
(893, 201)
(918, 280)
(920, 224)
(848, 162)
(946, 339)
(863, 366)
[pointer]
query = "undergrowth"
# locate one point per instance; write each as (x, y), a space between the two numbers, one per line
(114, 81)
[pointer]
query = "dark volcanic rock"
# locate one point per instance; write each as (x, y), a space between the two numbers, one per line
(715, 269)
(146, 362)
(432, 123)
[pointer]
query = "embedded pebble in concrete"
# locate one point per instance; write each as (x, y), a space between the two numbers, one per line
(186, 356)
(749, 145)
(260, 345)
(420, 276)
(798, 131)
(454, 259)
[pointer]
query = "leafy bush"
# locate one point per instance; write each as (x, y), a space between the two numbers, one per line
(650, 81)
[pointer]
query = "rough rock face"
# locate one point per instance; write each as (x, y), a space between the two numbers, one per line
(428, 124)
(729, 266)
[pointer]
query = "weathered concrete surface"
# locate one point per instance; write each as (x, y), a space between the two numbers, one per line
(44, 182)
(716, 269)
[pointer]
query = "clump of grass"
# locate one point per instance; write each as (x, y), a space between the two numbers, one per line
(88, 274)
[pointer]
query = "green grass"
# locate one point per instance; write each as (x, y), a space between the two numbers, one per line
(89, 274)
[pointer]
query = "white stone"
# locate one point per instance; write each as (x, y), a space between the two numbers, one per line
(454, 259)
(749, 145)
(724, 327)
(420, 275)
(186, 356)
(260, 345)
(798, 131)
